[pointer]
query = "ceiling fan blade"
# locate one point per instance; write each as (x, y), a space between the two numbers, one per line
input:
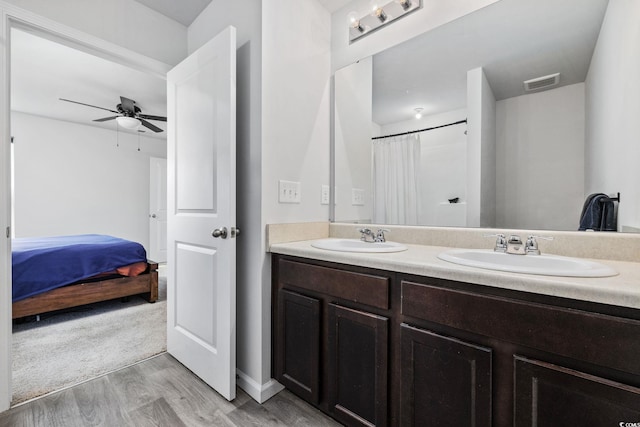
(150, 117)
(128, 104)
(149, 125)
(104, 119)
(88, 105)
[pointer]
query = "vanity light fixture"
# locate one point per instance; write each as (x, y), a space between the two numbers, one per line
(418, 112)
(378, 16)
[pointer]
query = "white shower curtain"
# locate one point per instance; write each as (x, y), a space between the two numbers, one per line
(396, 168)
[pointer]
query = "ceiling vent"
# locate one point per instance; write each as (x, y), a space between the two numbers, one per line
(542, 82)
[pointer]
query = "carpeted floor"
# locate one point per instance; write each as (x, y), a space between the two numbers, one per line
(69, 347)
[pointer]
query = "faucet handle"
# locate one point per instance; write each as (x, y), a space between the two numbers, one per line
(531, 247)
(380, 234)
(501, 242)
(364, 232)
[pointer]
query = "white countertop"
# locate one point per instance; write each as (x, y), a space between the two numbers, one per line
(621, 290)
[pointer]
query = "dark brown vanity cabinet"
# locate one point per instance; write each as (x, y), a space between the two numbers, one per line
(330, 339)
(514, 359)
(376, 348)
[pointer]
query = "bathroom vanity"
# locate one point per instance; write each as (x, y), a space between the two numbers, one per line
(407, 339)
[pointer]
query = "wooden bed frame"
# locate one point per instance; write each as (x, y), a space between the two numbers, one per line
(93, 291)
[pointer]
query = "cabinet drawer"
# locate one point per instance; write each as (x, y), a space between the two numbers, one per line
(356, 287)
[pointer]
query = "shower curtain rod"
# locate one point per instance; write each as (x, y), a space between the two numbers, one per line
(420, 130)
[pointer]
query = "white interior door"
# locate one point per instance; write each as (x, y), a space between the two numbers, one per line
(158, 209)
(201, 159)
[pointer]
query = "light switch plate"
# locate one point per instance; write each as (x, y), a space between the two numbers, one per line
(357, 197)
(324, 195)
(289, 192)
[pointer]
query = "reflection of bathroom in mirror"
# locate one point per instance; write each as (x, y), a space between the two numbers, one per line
(494, 153)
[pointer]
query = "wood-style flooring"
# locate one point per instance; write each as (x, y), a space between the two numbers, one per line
(158, 392)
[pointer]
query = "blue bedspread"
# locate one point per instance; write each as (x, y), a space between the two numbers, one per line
(44, 263)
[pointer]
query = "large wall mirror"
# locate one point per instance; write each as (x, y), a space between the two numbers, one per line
(496, 152)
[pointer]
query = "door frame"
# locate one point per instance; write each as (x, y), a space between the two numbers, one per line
(15, 17)
(153, 183)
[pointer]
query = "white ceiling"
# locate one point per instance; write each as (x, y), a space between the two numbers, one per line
(183, 11)
(186, 11)
(42, 71)
(513, 40)
(333, 5)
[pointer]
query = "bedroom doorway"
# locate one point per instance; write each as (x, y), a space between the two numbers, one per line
(130, 150)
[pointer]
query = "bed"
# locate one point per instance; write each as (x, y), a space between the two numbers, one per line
(54, 273)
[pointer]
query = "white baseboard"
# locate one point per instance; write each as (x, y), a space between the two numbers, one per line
(258, 392)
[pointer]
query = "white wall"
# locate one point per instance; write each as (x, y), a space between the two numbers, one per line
(295, 106)
(612, 111)
(432, 14)
(296, 56)
(73, 179)
(124, 22)
(443, 166)
(353, 144)
(540, 150)
(481, 150)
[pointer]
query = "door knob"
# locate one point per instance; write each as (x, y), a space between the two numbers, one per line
(220, 232)
(153, 215)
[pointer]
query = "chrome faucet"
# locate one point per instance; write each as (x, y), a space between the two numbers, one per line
(366, 235)
(515, 246)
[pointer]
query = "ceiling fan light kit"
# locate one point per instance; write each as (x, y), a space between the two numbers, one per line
(128, 122)
(129, 115)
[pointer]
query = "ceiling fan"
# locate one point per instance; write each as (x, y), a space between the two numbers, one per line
(129, 115)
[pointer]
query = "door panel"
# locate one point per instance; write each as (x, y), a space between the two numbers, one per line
(444, 380)
(547, 394)
(298, 344)
(358, 366)
(201, 309)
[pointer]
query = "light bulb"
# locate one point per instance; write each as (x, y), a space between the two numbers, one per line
(418, 112)
(406, 4)
(354, 22)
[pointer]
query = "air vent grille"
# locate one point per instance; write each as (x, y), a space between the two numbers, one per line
(542, 82)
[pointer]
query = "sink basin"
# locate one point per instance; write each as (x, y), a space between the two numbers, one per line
(353, 245)
(548, 265)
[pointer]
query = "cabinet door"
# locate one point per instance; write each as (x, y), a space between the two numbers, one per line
(444, 381)
(298, 344)
(358, 366)
(551, 395)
